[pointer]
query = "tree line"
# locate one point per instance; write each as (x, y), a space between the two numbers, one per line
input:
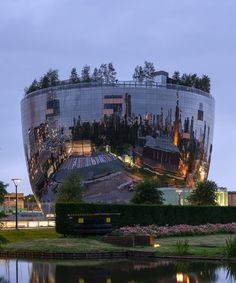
(192, 80)
(145, 192)
(147, 72)
(106, 73)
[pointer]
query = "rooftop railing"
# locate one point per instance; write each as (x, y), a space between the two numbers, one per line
(66, 84)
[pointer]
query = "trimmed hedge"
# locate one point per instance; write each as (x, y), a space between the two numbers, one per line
(131, 214)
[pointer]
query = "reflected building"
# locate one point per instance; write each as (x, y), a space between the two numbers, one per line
(85, 126)
(116, 271)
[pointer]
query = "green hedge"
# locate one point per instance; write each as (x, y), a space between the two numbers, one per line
(131, 214)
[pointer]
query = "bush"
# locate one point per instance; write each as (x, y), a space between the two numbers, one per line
(3, 241)
(134, 214)
(178, 230)
(230, 248)
(182, 247)
(147, 192)
(204, 194)
(70, 189)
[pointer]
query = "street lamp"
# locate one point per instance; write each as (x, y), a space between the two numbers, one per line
(16, 182)
(179, 191)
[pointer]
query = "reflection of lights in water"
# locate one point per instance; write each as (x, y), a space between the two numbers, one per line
(179, 277)
(182, 278)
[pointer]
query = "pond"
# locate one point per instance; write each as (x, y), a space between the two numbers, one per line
(119, 271)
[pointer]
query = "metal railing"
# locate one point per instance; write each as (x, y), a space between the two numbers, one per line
(11, 224)
(66, 84)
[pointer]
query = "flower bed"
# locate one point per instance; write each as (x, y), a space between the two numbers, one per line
(178, 230)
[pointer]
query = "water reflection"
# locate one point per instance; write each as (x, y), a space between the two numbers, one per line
(115, 271)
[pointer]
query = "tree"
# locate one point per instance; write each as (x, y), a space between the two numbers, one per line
(95, 75)
(85, 74)
(51, 78)
(103, 73)
(205, 83)
(44, 81)
(111, 73)
(147, 192)
(204, 194)
(33, 87)
(176, 77)
(192, 80)
(3, 191)
(29, 198)
(144, 73)
(138, 75)
(186, 80)
(74, 78)
(149, 70)
(30, 202)
(222, 189)
(71, 189)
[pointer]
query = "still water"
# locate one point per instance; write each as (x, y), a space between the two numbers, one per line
(127, 271)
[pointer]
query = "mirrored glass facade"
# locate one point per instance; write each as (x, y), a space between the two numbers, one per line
(168, 129)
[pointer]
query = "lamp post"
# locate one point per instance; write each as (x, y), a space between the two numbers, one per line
(179, 191)
(16, 182)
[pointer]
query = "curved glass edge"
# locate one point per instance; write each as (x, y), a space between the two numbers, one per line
(167, 131)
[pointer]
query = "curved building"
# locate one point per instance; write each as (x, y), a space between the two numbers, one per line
(167, 128)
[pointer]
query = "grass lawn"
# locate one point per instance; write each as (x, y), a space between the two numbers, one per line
(62, 245)
(207, 245)
(47, 240)
(14, 236)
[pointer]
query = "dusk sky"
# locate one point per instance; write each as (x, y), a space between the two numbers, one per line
(192, 36)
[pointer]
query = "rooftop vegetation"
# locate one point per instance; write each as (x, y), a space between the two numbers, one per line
(106, 73)
(148, 72)
(192, 80)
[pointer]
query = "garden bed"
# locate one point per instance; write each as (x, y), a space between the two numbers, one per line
(178, 230)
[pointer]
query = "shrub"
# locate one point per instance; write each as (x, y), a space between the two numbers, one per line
(144, 215)
(178, 230)
(230, 248)
(147, 192)
(182, 247)
(204, 194)
(3, 241)
(70, 189)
